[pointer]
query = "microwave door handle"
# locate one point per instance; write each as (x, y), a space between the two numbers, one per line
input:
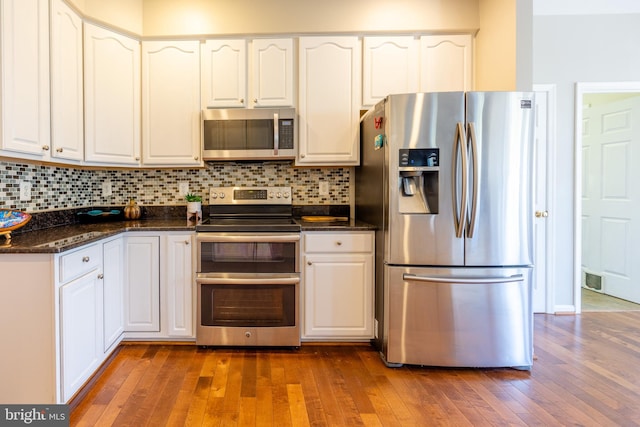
(276, 134)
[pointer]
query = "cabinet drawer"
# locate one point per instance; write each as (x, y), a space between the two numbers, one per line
(338, 242)
(79, 262)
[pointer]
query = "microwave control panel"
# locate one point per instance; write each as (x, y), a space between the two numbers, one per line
(285, 132)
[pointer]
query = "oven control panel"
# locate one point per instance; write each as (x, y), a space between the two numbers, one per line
(250, 195)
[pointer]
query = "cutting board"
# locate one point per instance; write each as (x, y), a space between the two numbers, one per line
(323, 218)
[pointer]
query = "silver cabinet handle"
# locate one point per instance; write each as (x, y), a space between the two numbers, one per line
(186, 242)
(59, 150)
(542, 214)
(100, 276)
(309, 263)
(196, 158)
(241, 100)
(85, 259)
(45, 148)
(255, 101)
(339, 243)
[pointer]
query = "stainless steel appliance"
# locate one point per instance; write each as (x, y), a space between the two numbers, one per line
(248, 272)
(249, 134)
(446, 178)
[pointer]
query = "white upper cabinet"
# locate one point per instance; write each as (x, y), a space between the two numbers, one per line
(24, 83)
(171, 103)
(272, 73)
(67, 109)
(112, 97)
(446, 63)
(329, 100)
(224, 73)
(390, 65)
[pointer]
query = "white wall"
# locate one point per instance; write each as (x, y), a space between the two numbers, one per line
(570, 48)
(123, 14)
(207, 17)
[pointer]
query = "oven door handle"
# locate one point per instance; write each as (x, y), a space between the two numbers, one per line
(248, 238)
(230, 280)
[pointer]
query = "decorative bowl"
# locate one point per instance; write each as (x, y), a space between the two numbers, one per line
(12, 220)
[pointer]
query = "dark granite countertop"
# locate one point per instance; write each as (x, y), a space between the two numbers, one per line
(65, 237)
(348, 225)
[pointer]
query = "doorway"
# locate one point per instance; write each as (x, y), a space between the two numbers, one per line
(607, 225)
(544, 174)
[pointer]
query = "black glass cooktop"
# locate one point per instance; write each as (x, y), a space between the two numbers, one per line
(248, 224)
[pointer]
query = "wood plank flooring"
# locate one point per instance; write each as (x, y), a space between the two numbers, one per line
(587, 373)
(595, 301)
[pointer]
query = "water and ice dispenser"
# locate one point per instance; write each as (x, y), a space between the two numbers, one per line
(418, 170)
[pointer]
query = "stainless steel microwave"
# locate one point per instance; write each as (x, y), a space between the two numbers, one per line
(249, 134)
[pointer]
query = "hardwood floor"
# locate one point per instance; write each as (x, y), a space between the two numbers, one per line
(586, 373)
(595, 301)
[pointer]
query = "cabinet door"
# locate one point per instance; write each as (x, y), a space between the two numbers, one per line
(112, 97)
(224, 73)
(446, 63)
(178, 276)
(390, 65)
(81, 331)
(113, 291)
(272, 72)
(24, 88)
(329, 104)
(142, 283)
(338, 296)
(67, 110)
(171, 103)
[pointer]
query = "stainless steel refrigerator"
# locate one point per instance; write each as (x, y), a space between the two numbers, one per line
(447, 179)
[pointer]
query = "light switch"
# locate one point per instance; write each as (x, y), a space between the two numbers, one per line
(183, 188)
(25, 191)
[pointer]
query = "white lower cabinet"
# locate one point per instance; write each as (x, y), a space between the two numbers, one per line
(142, 283)
(113, 291)
(79, 281)
(159, 298)
(338, 285)
(176, 258)
(81, 331)
(77, 301)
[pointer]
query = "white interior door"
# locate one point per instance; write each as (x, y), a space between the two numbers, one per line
(542, 297)
(610, 194)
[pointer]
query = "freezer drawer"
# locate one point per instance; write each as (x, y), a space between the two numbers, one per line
(458, 317)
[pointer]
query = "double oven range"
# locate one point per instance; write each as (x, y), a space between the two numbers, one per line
(248, 272)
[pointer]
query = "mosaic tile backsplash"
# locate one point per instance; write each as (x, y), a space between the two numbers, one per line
(55, 187)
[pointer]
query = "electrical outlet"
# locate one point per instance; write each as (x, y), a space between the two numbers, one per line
(183, 188)
(323, 188)
(106, 189)
(25, 191)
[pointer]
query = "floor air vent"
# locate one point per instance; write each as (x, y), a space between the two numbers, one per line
(593, 281)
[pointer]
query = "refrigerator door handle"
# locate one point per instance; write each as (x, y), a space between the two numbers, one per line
(465, 280)
(471, 141)
(459, 201)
